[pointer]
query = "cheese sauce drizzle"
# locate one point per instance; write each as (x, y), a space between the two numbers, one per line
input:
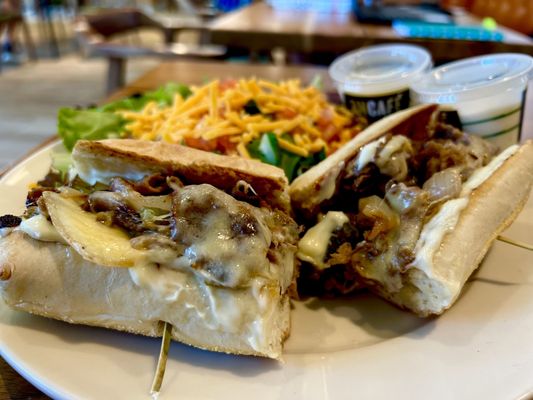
(446, 219)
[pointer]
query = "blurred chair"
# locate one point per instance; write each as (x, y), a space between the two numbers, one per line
(200, 8)
(51, 17)
(17, 20)
(95, 32)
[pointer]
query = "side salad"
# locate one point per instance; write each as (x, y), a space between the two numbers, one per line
(104, 122)
(282, 124)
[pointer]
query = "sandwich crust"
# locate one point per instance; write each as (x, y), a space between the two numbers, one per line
(491, 208)
(429, 285)
(309, 190)
(104, 159)
(53, 281)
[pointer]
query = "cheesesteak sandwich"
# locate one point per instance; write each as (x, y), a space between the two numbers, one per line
(408, 208)
(145, 232)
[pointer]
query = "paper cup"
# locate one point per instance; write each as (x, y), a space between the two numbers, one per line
(374, 81)
(486, 92)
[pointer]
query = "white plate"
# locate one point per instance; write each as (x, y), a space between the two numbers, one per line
(363, 348)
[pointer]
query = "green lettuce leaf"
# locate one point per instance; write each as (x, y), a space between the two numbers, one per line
(164, 96)
(91, 124)
(103, 123)
(266, 149)
(61, 161)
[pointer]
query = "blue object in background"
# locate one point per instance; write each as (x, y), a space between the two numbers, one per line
(230, 5)
(326, 6)
(445, 31)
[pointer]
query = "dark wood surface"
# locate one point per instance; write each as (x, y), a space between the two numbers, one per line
(12, 385)
(260, 27)
(15, 387)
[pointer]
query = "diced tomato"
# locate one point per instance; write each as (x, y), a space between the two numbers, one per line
(225, 146)
(326, 118)
(201, 144)
(287, 113)
(227, 84)
(329, 132)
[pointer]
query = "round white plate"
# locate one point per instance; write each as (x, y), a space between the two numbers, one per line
(361, 348)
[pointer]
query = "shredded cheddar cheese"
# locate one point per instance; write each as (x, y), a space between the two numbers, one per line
(215, 117)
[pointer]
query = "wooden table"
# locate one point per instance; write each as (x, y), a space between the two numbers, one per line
(260, 27)
(12, 385)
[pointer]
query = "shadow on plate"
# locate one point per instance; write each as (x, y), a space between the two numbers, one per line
(328, 325)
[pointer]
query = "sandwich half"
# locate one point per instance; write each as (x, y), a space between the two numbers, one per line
(408, 208)
(145, 232)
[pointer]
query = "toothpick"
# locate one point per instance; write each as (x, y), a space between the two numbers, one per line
(515, 242)
(162, 362)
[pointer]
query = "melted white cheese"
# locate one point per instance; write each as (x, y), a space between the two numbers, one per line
(5, 231)
(313, 246)
(226, 309)
(367, 153)
(259, 327)
(482, 174)
(93, 175)
(433, 232)
(166, 282)
(261, 293)
(39, 228)
(244, 312)
(234, 260)
(395, 144)
(329, 185)
(446, 219)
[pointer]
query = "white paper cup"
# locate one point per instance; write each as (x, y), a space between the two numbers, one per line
(374, 81)
(487, 92)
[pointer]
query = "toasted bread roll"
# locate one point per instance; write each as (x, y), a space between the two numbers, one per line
(199, 256)
(133, 159)
(453, 243)
(311, 189)
(52, 280)
(408, 208)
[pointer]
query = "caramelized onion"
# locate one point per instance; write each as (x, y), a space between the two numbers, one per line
(444, 185)
(148, 186)
(151, 241)
(93, 240)
(104, 201)
(122, 210)
(384, 218)
(124, 194)
(174, 183)
(392, 159)
(412, 204)
(245, 192)
(404, 198)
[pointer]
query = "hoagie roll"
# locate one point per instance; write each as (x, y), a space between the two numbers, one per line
(408, 208)
(145, 232)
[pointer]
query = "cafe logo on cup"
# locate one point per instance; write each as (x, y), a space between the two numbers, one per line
(374, 108)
